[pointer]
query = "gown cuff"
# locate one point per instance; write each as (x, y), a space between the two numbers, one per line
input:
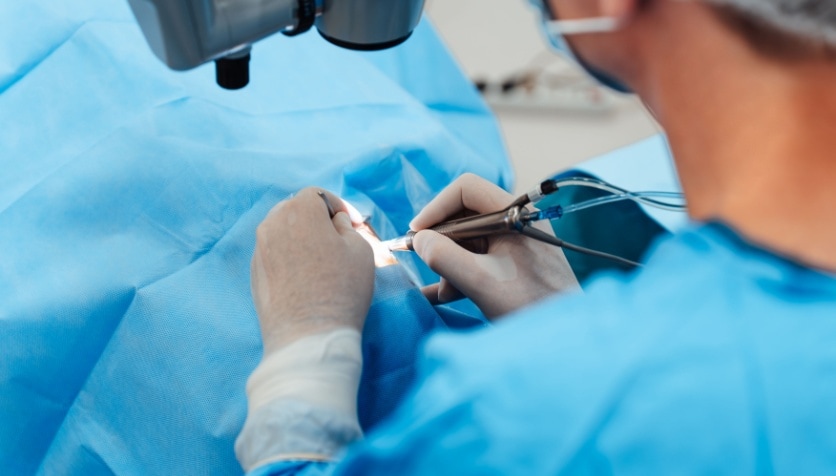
(302, 401)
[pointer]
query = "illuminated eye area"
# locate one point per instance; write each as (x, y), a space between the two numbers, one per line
(382, 256)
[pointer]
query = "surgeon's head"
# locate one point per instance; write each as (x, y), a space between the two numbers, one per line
(641, 45)
(627, 44)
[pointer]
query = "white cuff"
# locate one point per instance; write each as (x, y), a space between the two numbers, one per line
(303, 400)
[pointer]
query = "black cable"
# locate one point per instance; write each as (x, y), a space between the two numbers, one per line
(552, 240)
(549, 187)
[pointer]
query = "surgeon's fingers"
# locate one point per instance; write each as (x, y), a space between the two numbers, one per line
(431, 293)
(338, 205)
(308, 213)
(468, 192)
(441, 293)
(448, 293)
(354, 240)
(278, 207)
(342, 222)
(444, 256)
(321, 200)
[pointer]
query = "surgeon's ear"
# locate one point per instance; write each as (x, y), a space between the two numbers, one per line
(618, 8)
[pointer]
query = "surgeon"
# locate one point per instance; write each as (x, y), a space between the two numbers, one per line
(718, 357)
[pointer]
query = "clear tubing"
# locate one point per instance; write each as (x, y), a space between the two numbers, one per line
(607, 187)
(642, 197)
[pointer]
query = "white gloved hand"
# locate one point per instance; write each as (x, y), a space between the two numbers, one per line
(501, 274)
(312, 282)
(310, 273)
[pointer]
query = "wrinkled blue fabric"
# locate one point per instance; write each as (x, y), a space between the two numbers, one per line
(129, 196)
(717, 358)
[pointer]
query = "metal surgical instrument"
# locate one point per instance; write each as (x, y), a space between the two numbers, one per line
(517, 218)
(331, 212)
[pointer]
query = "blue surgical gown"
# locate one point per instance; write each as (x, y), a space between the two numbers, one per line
(718, 358)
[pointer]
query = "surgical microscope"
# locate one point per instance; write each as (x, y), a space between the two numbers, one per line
(188, 33)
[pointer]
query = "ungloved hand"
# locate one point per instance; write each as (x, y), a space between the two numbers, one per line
(310, 274)
(502, 273)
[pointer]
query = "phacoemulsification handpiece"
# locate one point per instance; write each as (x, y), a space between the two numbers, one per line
(508, 221)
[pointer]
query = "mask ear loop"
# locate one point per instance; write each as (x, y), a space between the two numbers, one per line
(585, 25)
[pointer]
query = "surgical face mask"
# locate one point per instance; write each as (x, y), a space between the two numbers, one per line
(557, 30)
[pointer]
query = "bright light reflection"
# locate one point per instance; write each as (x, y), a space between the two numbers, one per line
(382, 256)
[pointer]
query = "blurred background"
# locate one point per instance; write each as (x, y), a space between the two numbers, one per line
(552, 117)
